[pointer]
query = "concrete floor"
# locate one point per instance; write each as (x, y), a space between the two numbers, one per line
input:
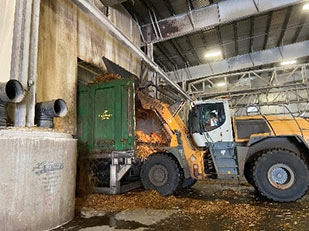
(244, 210)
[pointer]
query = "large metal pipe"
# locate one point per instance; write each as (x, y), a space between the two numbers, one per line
(45, 112)
(102, 20)
(10, 92)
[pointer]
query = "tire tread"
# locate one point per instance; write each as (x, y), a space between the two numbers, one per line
(270, 152)
(178, 170)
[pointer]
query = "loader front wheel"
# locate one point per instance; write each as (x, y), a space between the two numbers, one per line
(281, 175)
(160, 172)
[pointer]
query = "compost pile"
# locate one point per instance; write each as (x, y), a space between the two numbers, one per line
(105, 78)
(241, 214)
(148, 143)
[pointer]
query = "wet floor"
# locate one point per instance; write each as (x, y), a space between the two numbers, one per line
(214, 206)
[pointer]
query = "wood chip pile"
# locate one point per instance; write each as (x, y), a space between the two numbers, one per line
(105, 78)
(143, 151)
(152, 138)
(148, 144)
(242, 214)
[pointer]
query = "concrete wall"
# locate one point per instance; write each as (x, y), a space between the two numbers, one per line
(7, 12)
(37, 180)
(67, 33)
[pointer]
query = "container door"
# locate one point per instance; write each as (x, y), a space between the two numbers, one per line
(113, 127)
(126, 137)
(105, 118)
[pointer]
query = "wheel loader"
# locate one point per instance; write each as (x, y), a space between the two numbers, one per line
(271, 152)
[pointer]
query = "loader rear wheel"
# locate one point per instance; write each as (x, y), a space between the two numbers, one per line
(281, 175)
(161, 173)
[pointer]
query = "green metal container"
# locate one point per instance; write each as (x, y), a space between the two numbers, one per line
(106, 117)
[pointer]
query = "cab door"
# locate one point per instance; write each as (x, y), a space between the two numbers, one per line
(222, 131)
(214, 122)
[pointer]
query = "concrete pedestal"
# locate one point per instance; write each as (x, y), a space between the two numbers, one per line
(37, 179)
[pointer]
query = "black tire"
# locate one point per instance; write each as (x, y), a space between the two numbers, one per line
(160, 172)
(188, 182)
(281, 176)
(249, 173)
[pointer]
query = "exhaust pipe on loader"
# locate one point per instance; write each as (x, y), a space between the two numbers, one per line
(10, 92)
(46, 111)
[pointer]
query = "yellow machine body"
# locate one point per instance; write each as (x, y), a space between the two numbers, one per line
(278, 126)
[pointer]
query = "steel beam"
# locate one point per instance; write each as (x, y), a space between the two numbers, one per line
(149, 6)
(210, 16)
(220, 41)
(179, 52)
(192, 49)
(299, 29)
(136, 16)
(110, 3)
(284, 25)
(169, 7)
(103, 21)
(270, 103)
(264, 85)
(162, 50)
(260, 90)
(251, 60)
(251, 34)
(300, 104)
(269, 18)
(236, 38)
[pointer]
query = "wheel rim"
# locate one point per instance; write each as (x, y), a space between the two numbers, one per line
(158, 175)
(281, 176)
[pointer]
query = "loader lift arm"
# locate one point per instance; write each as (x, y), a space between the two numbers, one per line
(178, 132)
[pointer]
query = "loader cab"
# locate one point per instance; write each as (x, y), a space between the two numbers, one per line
(210, 122)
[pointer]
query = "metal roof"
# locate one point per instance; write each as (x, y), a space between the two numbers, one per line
(275, 28)
(163, 8)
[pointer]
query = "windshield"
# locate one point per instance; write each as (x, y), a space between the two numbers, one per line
(206, 117)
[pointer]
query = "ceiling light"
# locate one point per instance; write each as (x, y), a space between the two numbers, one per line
(306, 6)
(221, 84)
(213, 54)
(289, 62)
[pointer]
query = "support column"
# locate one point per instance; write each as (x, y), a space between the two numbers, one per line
(151, 74)
(114, 182)
(186, 107)
(24, 57)
(33, 61)
(7, 12)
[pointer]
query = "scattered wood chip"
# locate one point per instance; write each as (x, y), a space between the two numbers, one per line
(105, 78)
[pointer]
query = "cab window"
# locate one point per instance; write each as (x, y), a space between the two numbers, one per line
(206, 117)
